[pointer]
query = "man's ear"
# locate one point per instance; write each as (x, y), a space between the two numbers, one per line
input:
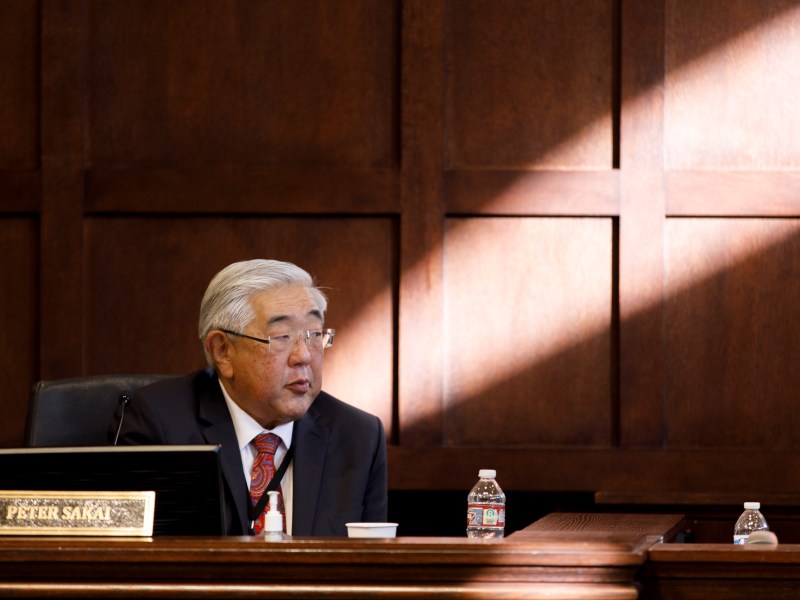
(220, 348)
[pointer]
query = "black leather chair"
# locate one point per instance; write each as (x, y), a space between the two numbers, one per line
(77, 412)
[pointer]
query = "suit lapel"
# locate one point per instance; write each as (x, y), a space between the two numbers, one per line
(218, 429)
(310, 440)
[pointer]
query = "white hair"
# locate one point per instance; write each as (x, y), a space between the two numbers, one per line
(226, 303)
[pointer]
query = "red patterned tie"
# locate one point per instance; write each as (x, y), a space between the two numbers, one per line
(262, 473)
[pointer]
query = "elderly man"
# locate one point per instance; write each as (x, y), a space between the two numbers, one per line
(262, 325)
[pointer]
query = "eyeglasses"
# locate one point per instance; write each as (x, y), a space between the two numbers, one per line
(316, 339)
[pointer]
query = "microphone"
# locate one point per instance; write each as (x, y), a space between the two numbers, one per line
(124, 400)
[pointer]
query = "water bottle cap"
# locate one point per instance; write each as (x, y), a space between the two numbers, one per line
(487, 473)
(752, 505)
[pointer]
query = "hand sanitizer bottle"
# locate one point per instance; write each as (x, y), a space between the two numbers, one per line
(273, 522)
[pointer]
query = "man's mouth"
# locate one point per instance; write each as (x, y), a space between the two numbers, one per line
(299, 386)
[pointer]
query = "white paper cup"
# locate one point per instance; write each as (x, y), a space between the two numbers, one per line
(371, 530)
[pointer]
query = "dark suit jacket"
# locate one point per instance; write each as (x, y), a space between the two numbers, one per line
(339, 458)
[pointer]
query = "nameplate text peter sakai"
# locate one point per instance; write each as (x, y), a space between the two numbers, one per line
(76, 513)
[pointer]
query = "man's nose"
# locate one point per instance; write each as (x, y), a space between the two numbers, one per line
(300, 351)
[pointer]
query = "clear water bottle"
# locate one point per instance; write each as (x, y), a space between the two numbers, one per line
(486, 507)
(750, 520)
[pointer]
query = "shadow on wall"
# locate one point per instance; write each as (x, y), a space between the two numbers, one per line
(731, 334)
(738, 293)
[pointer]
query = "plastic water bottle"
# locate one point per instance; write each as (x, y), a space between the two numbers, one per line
(486, 507)
(750, 520)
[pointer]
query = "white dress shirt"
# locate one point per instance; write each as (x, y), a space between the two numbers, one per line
(246, 429)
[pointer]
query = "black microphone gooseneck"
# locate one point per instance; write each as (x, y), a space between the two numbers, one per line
(124, 400)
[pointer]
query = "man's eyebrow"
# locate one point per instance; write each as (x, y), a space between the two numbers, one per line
(280, 318)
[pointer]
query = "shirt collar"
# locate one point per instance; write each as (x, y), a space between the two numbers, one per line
(247, 427)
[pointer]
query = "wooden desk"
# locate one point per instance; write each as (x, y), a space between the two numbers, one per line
(564, 555)
(721, 572)
(657, 527)
(556, 563)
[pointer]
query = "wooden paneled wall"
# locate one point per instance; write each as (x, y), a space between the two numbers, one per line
(560, 238)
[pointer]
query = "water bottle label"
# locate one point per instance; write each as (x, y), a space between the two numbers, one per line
(486, 515)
